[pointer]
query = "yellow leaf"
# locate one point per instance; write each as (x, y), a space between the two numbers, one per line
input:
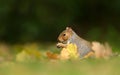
(69, 52)
(64, 54)
(23, 56)
(72, 49)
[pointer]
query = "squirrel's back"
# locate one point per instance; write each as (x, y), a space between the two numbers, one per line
(83, 46)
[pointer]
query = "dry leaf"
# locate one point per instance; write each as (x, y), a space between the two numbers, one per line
(23, 56)
(69, 52)
(51, 55)
(64, 55)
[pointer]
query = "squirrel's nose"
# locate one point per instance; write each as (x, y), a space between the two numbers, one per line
(60, 39)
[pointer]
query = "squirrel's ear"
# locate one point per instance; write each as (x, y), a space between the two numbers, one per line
(69, 28)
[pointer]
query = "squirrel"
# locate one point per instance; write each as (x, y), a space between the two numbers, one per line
(69, 36)
(85, 48)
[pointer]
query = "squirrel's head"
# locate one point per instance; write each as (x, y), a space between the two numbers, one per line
(65, 35)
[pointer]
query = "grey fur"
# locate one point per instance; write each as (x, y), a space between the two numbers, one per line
(83, 46)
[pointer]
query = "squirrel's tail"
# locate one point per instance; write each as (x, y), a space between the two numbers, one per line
(102, 50)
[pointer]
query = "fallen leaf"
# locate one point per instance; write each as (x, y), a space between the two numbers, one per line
(51, 55)
(23, 56)
(69, 52)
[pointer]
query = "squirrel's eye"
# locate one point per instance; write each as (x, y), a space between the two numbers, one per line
(64, 34)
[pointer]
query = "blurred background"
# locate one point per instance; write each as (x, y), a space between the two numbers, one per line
(24, 21)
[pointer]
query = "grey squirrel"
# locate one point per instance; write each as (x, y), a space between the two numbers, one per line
(69, 36)
(84, 48)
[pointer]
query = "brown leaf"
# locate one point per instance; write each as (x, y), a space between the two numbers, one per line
(51, 55)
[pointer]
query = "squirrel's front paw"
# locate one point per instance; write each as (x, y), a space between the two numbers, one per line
(61, 45)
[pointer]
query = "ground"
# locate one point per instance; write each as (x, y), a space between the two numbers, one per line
(37, 63)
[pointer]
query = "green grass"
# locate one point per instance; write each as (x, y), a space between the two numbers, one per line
(81, 67)
(46, 66)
